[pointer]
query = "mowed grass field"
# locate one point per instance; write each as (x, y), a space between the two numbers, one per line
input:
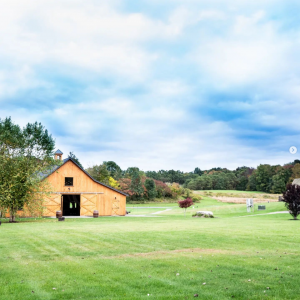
(151, 255)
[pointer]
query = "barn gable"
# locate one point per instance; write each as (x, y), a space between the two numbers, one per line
(70, 160)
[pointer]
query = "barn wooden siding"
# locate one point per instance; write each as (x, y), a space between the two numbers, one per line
(93, 195)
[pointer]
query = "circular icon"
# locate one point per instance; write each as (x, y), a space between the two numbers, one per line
(293, 150)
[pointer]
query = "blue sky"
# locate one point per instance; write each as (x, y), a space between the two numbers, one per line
(156, 84)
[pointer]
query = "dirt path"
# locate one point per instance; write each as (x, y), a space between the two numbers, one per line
(158, 212)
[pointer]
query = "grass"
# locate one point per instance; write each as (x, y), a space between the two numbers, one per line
(237, 194)
(167, 255)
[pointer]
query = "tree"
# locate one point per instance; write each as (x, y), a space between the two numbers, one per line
(242, 183)
(114, 170)
(26, 154)
(251, 186)
(185, 203)
(280, 179)
(113, 183)
(264, 175)
(150, 187)
(162, 189)
(125, 186)
(291, 197)
(136, 184)
(198, 171)
(73, 156)
(176, 189)
(99, 173)
(278, 184)
(129, 172)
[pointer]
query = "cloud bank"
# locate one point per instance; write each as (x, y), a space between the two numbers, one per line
(156, 85)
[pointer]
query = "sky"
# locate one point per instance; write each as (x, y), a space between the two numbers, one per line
(156, 84)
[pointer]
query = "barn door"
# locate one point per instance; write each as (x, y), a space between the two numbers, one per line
(115, 206)
(88, 203)
(52, 204)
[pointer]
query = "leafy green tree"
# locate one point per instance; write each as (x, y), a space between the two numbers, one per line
(130, 171)
(242, 182)
(264, 175)
(151, 189)
(242, 177)
(198, 171)
(26, 154)
(278, 184)
(99, 173)
(73, 156)
(136, 184)
(280, 180)
(114, 170)
(251, 186)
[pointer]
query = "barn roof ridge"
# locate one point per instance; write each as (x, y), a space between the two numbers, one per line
(69, 158)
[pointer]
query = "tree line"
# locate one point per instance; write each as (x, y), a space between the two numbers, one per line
(138, 184)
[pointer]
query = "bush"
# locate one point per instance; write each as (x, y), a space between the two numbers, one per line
(291, 197)
(196, 198)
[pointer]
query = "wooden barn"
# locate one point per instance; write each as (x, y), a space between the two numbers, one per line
(76, 193)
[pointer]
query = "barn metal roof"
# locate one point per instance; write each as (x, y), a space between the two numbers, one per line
(52, 170)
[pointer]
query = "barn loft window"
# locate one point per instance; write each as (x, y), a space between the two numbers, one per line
(69, 181)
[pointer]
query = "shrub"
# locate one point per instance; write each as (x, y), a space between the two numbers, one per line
(196, 198)
(291, 197)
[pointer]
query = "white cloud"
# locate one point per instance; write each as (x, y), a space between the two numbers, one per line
(95, 37)
(250, 52)
(132, 87)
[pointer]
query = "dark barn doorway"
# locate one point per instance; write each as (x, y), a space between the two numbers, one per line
(71, 205)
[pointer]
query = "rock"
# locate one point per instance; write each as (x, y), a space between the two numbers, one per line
(204, 214)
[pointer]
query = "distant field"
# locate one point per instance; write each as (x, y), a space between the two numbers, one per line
(238, 196)
(158, 256)
(231, 192)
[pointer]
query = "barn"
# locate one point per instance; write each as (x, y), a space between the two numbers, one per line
(76, 193)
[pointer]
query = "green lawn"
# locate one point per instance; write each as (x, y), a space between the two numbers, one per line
(166, 255)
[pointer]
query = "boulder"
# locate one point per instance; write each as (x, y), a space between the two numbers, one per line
(204, 214)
